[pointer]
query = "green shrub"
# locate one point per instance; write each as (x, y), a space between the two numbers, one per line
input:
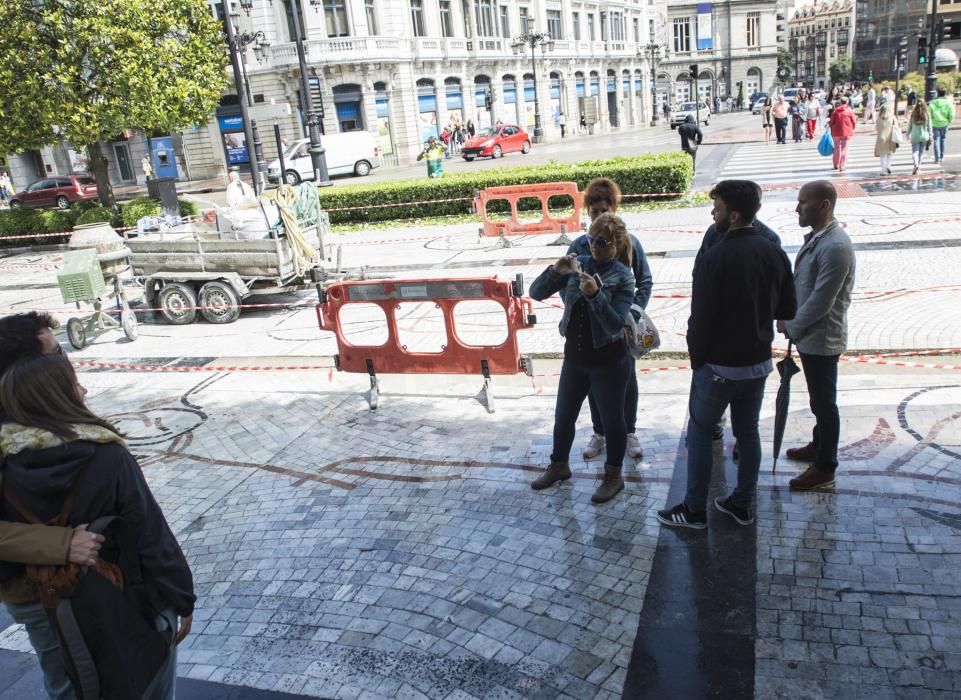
(95, 215)
(57, 220)
(646, 174)
(137, 208)
(187, 207)
(22, 222)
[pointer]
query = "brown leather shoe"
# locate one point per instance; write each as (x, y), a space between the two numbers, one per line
(612, 485)
(808, 453)
(812, 479)
(557, 471)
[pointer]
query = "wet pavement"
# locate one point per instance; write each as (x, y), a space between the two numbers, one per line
(340, 552)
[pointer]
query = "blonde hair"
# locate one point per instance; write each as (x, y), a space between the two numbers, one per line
(612, 227)
(920, 113)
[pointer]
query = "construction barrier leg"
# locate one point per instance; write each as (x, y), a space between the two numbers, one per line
(486, 395)
(373, 398)
(562, 239)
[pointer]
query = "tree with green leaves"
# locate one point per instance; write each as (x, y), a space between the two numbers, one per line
(840, 70)
(785, 60)
(85, 71)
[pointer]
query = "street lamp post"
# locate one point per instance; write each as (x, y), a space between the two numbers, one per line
(241, 92)
(317, 150)
(238, 45)
(653, 52)
(520, 44)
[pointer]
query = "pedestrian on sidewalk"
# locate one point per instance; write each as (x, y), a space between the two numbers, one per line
(691, 138)
(780, 114)
(942, 114)
(823, 279)
(886, 141)
(869, 100)
(919, 133)
(912, 98)
(6, 188)
(562, 122)
(433, 153)
(797, 120)
(741, 285)
(598, 291)
(56, 450)
(583, 124)
(767, 119)
(603, 196)
(812, 112)
(842, 123)
(470, 128)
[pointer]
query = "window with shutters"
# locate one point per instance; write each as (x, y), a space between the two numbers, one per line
(753, 29)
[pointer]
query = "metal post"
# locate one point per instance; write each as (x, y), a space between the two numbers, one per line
(538, 131)
(317, 150)
(244, 114)
(931, 80)
(280, 152)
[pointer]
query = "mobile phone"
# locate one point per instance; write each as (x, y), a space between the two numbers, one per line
(597, 279)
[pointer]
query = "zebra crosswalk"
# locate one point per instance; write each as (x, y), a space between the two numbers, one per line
(801, 162)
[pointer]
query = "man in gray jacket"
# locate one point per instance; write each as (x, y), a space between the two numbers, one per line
(823, 279)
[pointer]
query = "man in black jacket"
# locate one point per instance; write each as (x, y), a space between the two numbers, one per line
(741, 285)
(691, 138)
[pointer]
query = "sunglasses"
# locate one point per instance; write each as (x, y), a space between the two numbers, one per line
(599, 243)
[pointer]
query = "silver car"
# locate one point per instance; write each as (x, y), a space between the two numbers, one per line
(679, 115)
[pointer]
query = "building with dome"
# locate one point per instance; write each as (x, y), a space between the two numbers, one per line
(818, 35)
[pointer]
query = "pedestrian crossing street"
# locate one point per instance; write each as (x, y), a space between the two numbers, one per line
(792, 162)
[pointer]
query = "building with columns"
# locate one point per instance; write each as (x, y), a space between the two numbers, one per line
(403, 69)
(818, 35)
(731, 42)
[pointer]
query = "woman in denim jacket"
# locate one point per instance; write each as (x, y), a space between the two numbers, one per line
(596, 359)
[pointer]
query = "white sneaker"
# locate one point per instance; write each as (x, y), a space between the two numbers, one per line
(634, 450)
(595, 446)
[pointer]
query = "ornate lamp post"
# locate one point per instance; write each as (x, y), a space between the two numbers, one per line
(820, 44)
(257, 164)
(653, 52)
(313, 119)
(519, 45)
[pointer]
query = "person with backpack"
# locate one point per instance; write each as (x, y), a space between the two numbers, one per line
(65, 465)
(919, 133)
(691, 138)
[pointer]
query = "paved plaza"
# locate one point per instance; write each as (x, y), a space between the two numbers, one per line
(340, 552)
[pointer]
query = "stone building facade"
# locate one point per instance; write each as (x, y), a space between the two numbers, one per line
(818, 35)
(731, 42)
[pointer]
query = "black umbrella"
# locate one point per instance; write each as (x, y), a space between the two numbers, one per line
(787, 368)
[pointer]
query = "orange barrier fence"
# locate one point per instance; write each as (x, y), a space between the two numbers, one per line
(543, 193)
(456, 356)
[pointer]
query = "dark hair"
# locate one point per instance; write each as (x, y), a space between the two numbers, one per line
(18, 336)
(742, 196)
(40, 391)
(942, 92)
(602, 189)
(613, 227)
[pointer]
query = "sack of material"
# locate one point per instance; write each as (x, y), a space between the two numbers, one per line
(826, 144)
(641, 333)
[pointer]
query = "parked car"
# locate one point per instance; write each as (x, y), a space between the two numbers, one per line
(347, 153)
(790, 94)
(60, 191)
(496, 141)
(679, 115)
(757, 99)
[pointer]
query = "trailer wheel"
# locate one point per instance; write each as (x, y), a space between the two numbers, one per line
(76, 333)
(178, 303)
(219, 302)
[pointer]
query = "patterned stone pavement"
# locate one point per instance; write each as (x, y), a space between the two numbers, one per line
(341, 552)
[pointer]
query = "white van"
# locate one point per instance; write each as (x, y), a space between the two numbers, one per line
(351, 152)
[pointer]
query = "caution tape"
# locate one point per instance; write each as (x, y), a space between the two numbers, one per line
(175, 369)
(869, 360)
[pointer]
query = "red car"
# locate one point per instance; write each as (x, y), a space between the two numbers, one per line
(58, 191)
(497, 141)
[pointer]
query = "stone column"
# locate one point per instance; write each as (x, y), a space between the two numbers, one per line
(619, 99)
(369, 104)
(603, 119)
(404, 114)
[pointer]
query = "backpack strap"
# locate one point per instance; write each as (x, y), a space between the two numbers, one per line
(87, 677)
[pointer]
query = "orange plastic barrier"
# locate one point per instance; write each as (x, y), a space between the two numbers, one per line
(541, 191)
(456, 357)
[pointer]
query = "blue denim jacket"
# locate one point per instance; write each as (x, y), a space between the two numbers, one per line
(642, 271)
(608, 309)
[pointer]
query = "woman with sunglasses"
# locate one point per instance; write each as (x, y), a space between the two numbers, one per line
(597, 294)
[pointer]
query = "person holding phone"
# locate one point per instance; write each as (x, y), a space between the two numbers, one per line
(597, 291)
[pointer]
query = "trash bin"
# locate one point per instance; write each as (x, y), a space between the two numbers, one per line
(164, 189)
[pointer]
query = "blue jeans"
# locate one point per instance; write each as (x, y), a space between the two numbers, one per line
(608, 385)
(940, 133)
(710, 396)
(917, 153)
(44, 640)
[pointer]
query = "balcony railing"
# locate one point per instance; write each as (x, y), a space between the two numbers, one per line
(428, 48)
(345, 50)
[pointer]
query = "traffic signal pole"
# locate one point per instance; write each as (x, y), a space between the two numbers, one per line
(697, 97)
(931, 81)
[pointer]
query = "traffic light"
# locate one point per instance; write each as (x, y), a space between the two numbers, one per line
(316, 97)
(694, 71)
(922, 50)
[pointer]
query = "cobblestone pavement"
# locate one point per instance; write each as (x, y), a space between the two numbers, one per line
(341, 552)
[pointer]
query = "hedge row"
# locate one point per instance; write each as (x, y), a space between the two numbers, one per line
(647, 174)
(25, 221)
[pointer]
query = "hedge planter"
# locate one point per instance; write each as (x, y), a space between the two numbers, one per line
(453, 194)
